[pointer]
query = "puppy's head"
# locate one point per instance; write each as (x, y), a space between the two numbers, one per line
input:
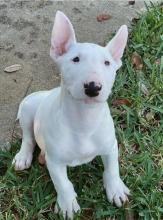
(88, 70)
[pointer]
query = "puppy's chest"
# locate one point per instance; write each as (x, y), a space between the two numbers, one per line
(82, 150)
(74, 149)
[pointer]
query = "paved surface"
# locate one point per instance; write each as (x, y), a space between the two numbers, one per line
(25, 28)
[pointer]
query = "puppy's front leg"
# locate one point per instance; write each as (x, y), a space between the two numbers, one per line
(115, 188)
(66, 196)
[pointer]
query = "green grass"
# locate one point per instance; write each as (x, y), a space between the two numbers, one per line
(139, 125)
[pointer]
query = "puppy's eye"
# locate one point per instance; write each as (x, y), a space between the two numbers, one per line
(107, 63)
(76, 59)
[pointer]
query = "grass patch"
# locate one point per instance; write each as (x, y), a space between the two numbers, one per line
(139, 125)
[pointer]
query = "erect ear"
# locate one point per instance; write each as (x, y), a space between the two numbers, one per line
(63, 35)
(117, 45)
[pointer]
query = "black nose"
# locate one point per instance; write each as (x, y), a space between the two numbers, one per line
(92, 89)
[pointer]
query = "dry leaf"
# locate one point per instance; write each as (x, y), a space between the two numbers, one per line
(16, 215)
(121, 101)
(135, 147)
(149, 116)
(87, 213)
(144, 89)
(158, 61)
(13, 68)
(129, 214)
(137, 61)
(132, 2)
(103, 17)
(122, 126)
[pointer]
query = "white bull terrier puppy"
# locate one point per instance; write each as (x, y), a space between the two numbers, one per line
(72, 124)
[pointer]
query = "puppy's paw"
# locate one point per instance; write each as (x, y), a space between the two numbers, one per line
(116, 191)
(67, 205)
(22, 160)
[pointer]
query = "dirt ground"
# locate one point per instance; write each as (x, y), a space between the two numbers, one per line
(25, 29)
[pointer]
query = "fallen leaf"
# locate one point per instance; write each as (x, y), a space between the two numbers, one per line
(103, 17)
(87, 213)
(149, 116)
(157, 61)
(129, 214)
(144, 89)
(137, 61)
(16, 215)
(122, 126)
(121, 101)
(132, 2)
(13, 68)
(135, 147)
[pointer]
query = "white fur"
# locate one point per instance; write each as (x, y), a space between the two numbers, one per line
(70, 127)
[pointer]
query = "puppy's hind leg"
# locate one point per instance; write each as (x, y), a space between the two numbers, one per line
(23, 158)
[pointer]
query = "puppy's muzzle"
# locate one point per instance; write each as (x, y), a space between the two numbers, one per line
(92, 89)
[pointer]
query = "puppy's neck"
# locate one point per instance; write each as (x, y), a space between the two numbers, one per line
(79, 116)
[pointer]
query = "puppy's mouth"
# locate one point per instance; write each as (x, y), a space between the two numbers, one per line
(87, 100)
(92, 100)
